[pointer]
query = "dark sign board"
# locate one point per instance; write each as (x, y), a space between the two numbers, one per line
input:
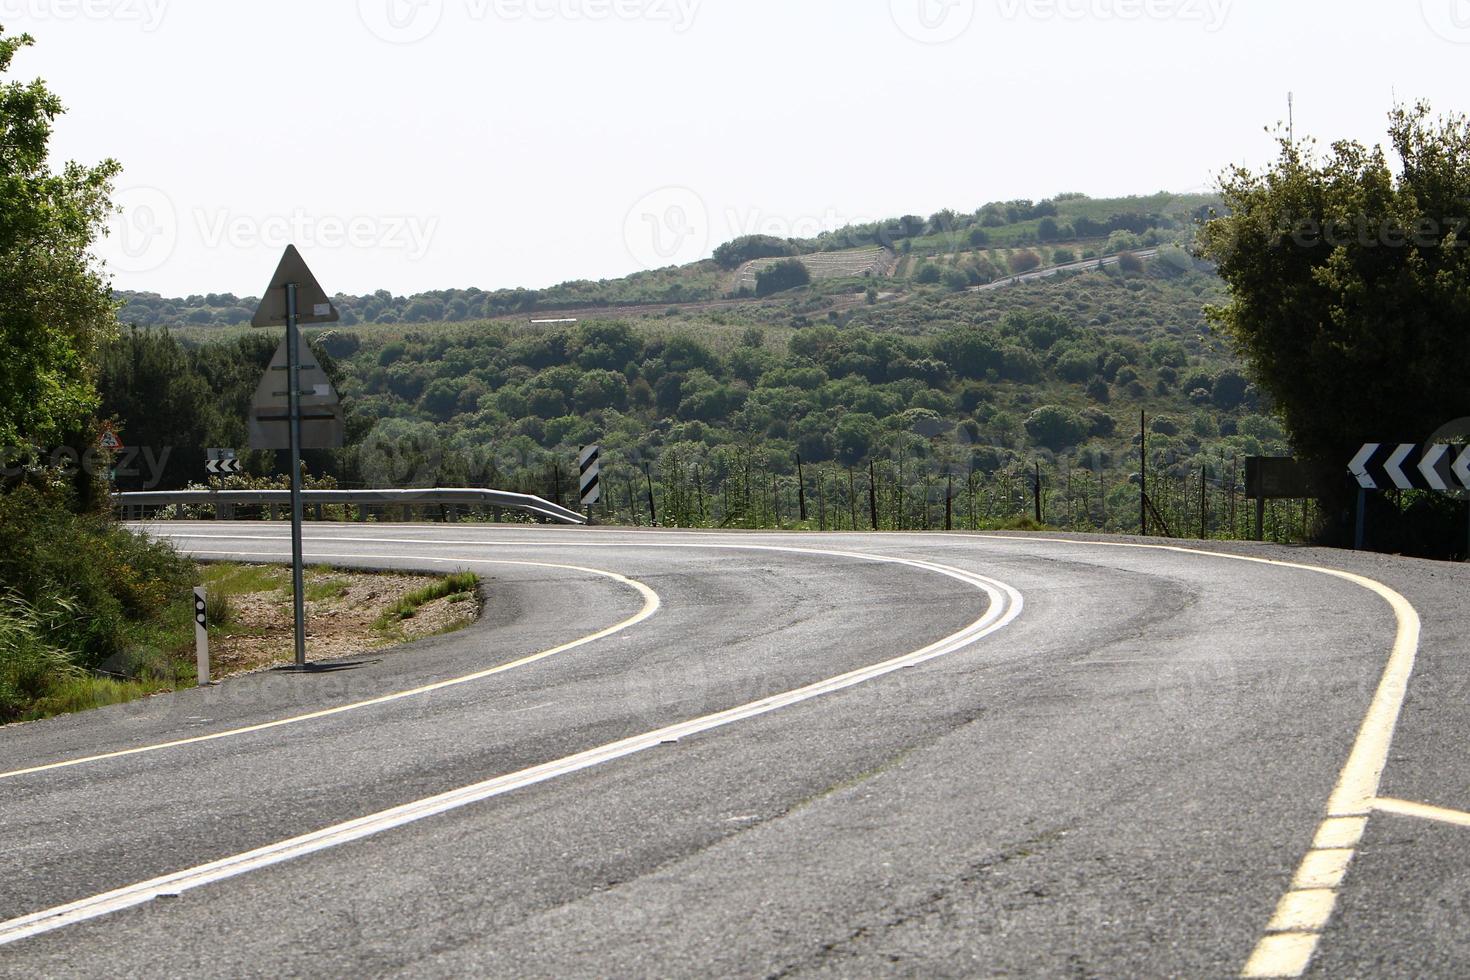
(1276, 478)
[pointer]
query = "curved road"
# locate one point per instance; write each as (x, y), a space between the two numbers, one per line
(674, 753)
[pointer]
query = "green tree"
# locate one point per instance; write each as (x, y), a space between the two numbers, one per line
(1056, 428)
(1350, 286)
(784, 275)
(55, 307)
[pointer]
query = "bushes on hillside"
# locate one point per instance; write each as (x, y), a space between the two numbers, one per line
(1024, 261)
(790, 274)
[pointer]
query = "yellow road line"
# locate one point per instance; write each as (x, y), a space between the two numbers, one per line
(1304, 914)
(1423, 811)
(1278, 954)
(651, 603)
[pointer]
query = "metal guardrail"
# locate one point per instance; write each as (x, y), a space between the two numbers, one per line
(225, 501)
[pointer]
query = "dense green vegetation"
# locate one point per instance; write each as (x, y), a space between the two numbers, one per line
(87, 610)
(713, 407)
(1350, 300)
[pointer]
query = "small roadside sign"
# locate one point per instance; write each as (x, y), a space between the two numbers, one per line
(591, 475)
(222, 462)
(109, 441)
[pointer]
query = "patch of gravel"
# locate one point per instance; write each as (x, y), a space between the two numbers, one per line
(261, 632)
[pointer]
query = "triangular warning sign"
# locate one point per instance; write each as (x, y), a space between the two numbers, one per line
(322, 422)
(312, 304)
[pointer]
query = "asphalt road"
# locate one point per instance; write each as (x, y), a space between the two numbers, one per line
(1086, 265)
(1103, 761)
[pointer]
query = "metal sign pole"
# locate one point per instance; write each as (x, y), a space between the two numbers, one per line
(293, 385)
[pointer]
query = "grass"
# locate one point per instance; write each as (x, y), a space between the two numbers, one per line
(458, 587)
(38, 679)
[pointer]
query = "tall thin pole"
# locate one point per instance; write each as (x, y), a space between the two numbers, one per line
(873, 492)
(1143, 473)
(800, 488)
(1203, 506)
(1037, 491)
(652, 511)
(293, 397)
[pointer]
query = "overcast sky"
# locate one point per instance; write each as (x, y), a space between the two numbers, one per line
(423, 144)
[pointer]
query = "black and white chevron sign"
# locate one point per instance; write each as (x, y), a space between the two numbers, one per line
(222, 462)
(587, 461)
(1385, 466)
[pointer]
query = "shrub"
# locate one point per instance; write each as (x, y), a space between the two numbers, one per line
(788, 274)
(1055, 428)
(1024, 261)
(928, 274)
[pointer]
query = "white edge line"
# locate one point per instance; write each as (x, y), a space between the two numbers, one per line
(1005, 605)
(651, 605)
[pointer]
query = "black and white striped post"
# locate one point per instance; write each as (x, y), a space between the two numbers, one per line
(201, 636)
(591, 470)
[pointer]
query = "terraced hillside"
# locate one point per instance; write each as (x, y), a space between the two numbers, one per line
(874, 262)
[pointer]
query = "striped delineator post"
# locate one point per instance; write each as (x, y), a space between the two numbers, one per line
(201, 636)
(591, 470)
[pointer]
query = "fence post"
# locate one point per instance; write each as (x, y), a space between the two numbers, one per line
(873, 492)
(1037, 493)
(1362, 520)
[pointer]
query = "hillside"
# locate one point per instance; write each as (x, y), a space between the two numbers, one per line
(909, 363)
(981, 246)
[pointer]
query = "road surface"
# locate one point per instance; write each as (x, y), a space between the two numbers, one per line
(684, 754)
(1086, 265)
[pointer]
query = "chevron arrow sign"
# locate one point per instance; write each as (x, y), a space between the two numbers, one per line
(222, 467)
(1440, 468)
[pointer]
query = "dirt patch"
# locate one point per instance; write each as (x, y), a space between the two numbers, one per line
(344, 617)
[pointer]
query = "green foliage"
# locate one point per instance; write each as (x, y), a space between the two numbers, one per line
(736, 253)
(31, 663)
(1055, 427)
(1350, 285)
(1024, 261)
(54, 306)
(789, 274)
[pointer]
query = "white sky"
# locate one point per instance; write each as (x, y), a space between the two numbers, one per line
(422, 144)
